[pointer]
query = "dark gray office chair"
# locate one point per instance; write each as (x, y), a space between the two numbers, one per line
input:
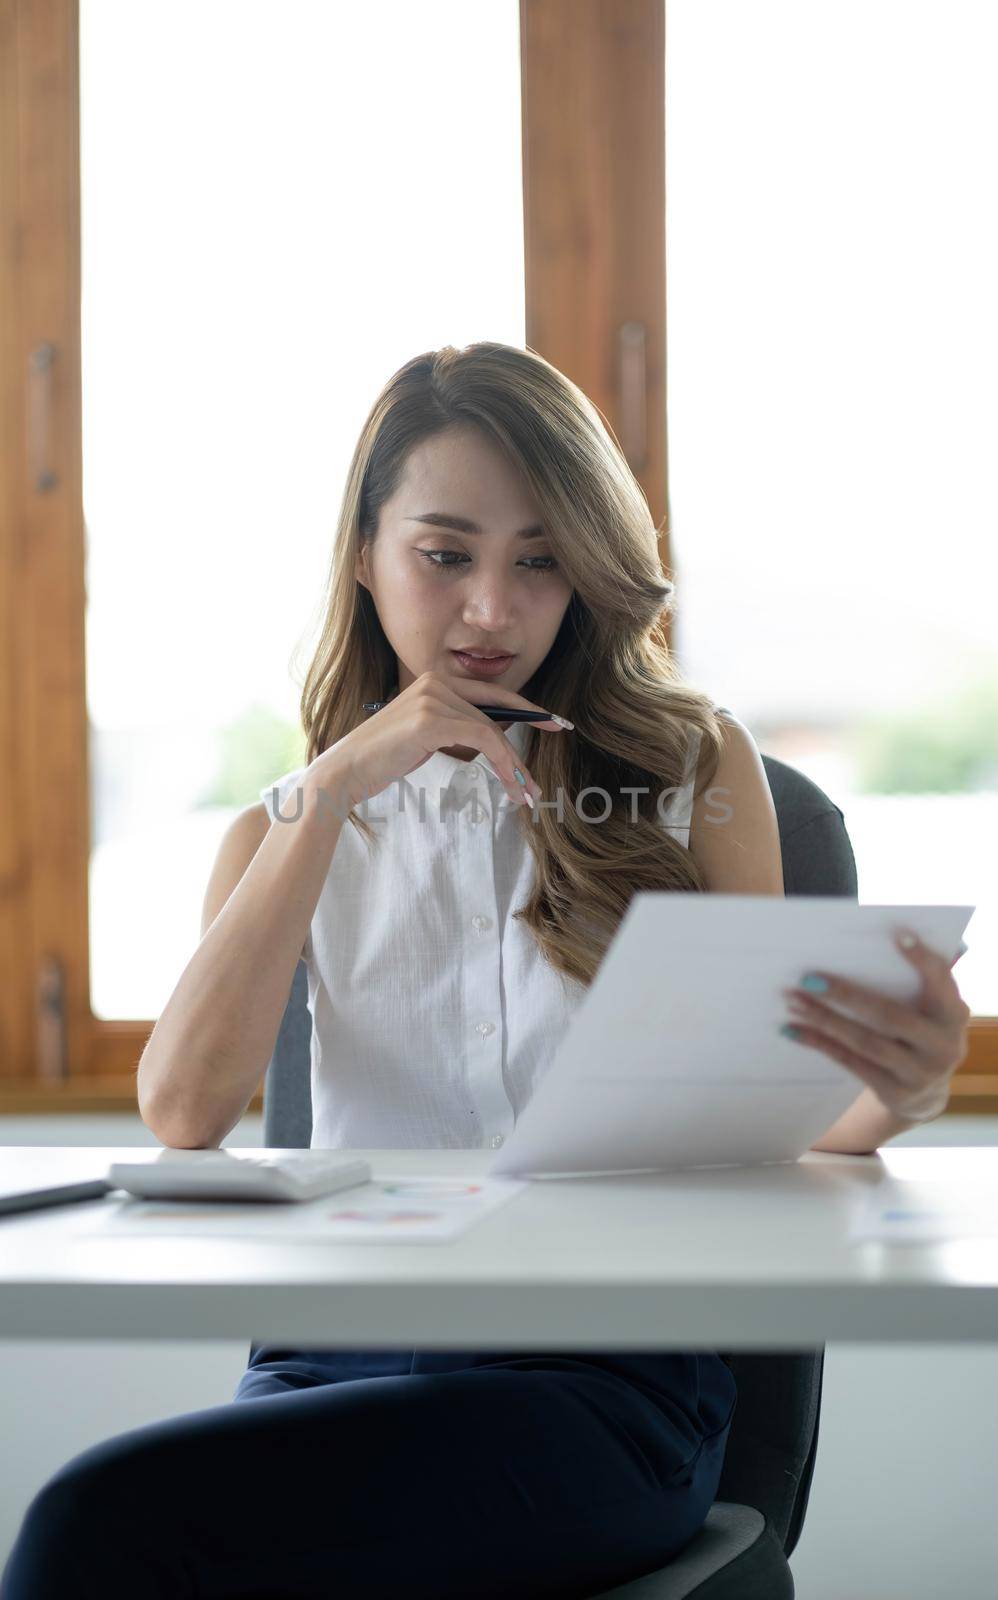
(741, 1551)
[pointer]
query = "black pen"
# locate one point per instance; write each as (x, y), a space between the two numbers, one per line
(495, 713)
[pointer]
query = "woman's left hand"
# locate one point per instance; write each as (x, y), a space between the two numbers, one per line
(906, 1053)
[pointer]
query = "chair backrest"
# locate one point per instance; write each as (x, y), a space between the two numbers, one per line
(769, 1459)
(287, 1087)
(769, 1456)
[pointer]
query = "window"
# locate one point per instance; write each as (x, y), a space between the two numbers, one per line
(253, 271)
(203, 307)
(832, 251)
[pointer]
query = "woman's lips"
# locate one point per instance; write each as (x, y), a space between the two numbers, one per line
(480, 668)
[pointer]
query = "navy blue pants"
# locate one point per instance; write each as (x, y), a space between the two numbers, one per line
(436, 1477)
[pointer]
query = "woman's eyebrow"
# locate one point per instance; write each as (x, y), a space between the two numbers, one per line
(445, 519)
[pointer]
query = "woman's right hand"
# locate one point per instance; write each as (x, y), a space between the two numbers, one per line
(428, 716)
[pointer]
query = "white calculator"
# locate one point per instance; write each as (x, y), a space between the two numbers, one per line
(226, 1175)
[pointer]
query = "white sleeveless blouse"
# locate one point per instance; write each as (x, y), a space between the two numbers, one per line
(434, 1014)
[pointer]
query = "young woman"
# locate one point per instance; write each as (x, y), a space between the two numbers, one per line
(449, 929)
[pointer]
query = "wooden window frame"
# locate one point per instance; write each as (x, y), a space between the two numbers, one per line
(593, 107)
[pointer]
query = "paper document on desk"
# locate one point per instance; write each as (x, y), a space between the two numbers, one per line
(925, 1213)
(674, 1057)
(386, 1210)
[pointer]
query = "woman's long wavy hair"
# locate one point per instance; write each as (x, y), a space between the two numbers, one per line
(609, 669)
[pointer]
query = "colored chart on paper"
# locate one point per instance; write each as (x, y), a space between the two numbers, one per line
(384, 1216)
(431, 1209)
(426, 1188)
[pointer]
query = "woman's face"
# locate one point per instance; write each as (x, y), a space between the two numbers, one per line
(438, 589)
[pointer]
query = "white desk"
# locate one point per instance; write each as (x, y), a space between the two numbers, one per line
(735, 1258)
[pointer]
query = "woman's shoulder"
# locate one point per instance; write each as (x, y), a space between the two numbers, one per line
(734, 833)
(697, 748)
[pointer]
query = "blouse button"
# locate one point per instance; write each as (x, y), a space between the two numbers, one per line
(485, 1028)
(496, 1140)
(481, 923)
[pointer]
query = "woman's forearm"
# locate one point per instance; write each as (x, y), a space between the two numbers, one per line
(211, 1045)
(862, 1128)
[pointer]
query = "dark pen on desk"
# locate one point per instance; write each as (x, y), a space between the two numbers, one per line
(494, 713)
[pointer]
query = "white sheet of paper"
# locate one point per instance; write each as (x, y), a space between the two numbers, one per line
(924, 1213)
(674, 1057)
(387, 1210)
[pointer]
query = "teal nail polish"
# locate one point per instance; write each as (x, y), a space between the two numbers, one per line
(790, 1031)
(519, 776)
(815, 984)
